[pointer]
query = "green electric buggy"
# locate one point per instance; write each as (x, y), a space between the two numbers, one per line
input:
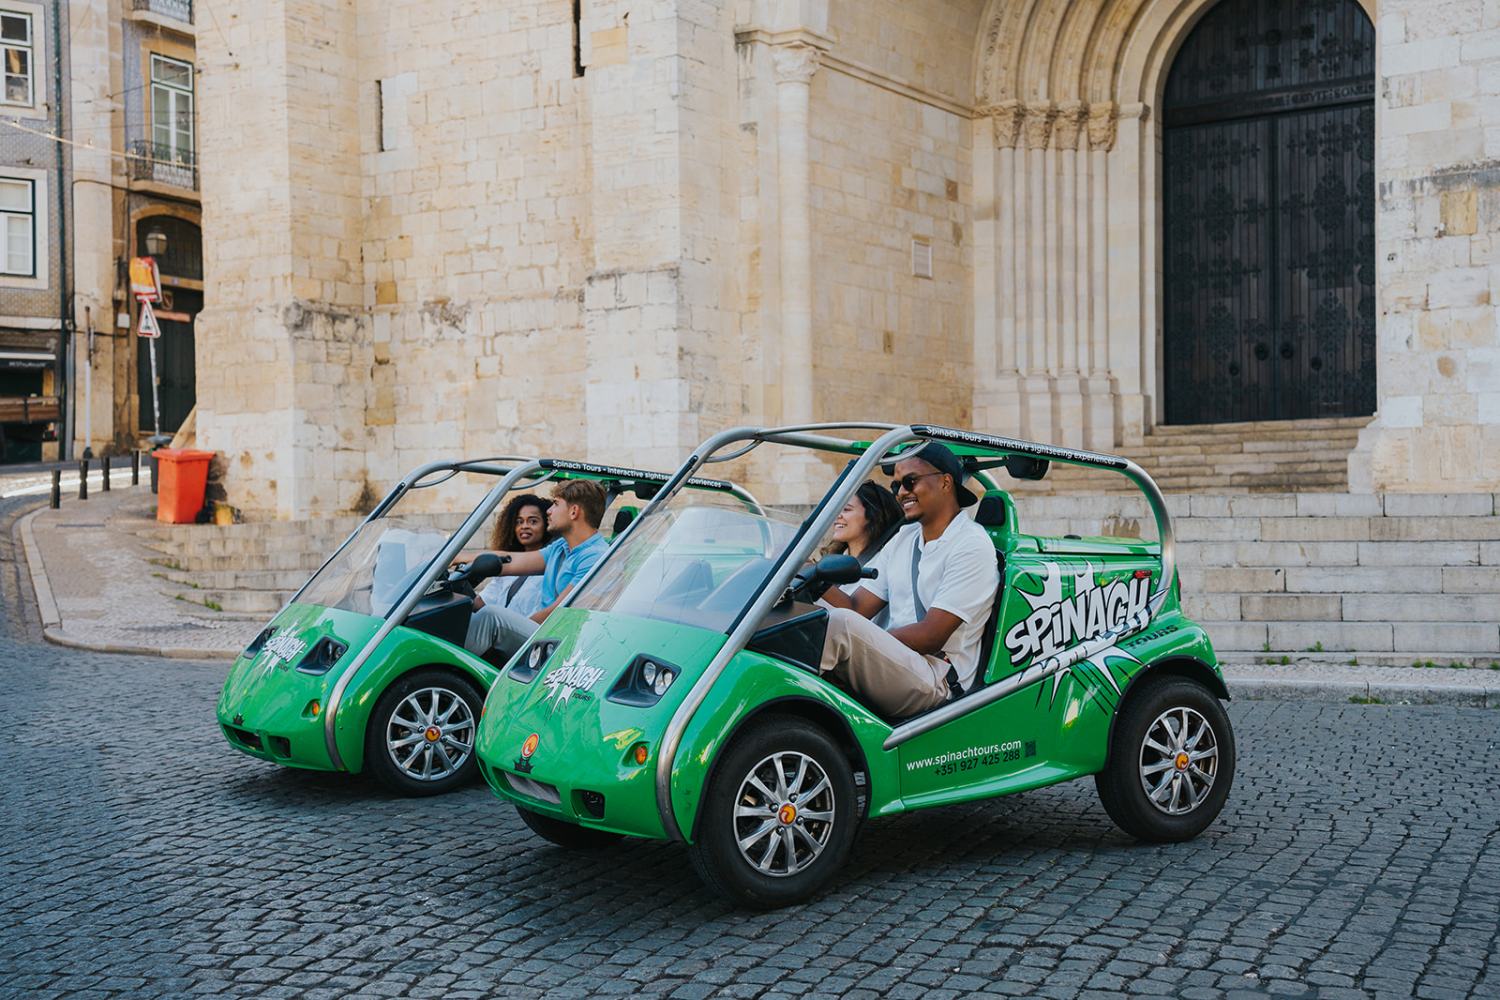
(364, 669)
(675, 695)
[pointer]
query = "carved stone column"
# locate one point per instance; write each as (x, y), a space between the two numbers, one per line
(795, 65)
(1036, 414)
(1007, 118)
(1064, 329)
(1101, 388)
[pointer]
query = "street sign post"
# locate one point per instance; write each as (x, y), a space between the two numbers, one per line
(145, 285)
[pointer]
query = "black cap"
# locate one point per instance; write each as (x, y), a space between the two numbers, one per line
(940, 458)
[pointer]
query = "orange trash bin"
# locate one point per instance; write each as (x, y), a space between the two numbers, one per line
(182, 479)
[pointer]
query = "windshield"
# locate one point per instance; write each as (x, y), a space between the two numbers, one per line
(697, 560)
(372, 572)
(386, 555)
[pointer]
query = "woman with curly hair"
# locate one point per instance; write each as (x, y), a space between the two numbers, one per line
(521, 527)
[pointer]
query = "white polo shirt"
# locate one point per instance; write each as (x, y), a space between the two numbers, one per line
(957, 573)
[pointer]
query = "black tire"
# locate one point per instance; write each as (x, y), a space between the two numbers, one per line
(716, 853)
(1122, 783)
(379, 759)
(565, 834)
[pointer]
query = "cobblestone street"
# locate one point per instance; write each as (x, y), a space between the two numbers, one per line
(1359, 855)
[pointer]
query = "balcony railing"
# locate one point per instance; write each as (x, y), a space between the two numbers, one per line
(152, 162)
(180, 10)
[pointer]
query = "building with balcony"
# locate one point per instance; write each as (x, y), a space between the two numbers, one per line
(98, 163)
(34, 175)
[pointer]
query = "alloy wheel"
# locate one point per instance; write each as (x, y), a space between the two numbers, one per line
(784, 814)
(430, 734)
(1179, 760)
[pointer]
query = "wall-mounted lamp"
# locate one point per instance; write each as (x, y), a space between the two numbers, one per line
(156, 243)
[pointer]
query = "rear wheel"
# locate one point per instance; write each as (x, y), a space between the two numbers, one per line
(779, 815)
(565, 834)
(420, 739)
(1171, 762)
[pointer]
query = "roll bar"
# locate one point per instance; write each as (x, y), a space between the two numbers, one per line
(419, 586)
(817, 524)
(512, 471)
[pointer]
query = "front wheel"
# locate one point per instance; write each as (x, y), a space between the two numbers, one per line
(1171, 763)
(779, 815)
(420, 738)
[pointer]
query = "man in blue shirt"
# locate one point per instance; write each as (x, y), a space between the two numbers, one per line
(573, 519)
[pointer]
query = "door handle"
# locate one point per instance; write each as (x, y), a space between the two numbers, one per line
(1286, 351)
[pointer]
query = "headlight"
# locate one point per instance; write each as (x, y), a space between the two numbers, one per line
(643, 683)
(259, 641)
(322, 656)
(527, 665)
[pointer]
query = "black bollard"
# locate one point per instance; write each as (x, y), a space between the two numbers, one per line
(83, 479)
(152, 458)
(56, 488)
(105, 461)
(135, 467)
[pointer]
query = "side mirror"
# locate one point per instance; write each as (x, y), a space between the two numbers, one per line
(1026, 467)
(839, 569)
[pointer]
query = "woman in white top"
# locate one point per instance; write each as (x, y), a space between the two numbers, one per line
(521, 527)
(862, 528)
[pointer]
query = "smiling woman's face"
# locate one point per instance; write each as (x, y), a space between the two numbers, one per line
(851, 525)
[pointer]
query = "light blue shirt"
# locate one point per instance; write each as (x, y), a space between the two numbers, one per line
(566, 566)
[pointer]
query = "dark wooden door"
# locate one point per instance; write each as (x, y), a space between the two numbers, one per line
(1269, 212)
(175, 366)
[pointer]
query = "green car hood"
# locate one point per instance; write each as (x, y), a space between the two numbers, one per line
(583, 739)
(266, 693)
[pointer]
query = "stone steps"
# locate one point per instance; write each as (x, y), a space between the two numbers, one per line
(1399, 575)
(1265, 456)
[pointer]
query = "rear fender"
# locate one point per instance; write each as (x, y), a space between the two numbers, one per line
(1187, 667)
(403, 651)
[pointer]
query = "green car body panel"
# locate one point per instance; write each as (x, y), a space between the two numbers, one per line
(266, 697)
(1054, 593)
(264, 709)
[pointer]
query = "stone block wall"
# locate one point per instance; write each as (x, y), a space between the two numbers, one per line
(475, 244)
(1438, 220)
(891, 164)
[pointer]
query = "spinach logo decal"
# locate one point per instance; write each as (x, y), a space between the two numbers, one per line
(1057, 623)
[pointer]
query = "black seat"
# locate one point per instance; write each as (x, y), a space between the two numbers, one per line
(623, 517)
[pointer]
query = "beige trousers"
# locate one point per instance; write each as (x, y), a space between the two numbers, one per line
(879, 669)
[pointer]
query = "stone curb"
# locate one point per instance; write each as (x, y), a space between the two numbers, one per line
(56, 637)
(1340, 692)
(46, 605)
(52, 619)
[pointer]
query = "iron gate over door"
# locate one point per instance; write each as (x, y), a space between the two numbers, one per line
(1269, 209)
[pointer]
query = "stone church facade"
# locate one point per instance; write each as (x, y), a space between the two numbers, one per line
(611, 227)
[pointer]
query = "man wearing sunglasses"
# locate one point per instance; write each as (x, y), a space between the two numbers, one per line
(938, 578)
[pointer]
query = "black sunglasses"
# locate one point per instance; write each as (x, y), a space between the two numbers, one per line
(908, 482)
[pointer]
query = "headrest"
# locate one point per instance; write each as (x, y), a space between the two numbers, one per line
(991, 512)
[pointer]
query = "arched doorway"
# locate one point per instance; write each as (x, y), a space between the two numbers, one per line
(177, 245)
(1269, 212)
